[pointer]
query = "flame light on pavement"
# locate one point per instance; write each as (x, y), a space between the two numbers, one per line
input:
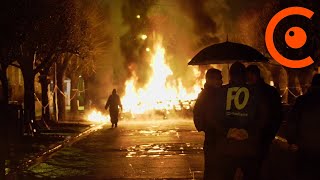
(161, 92)
(97, 117)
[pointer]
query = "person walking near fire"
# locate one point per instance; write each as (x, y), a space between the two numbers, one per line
(113, 104)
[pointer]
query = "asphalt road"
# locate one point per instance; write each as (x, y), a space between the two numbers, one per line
(144, 149)
(137, 149)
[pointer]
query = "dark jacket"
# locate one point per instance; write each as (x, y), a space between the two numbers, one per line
(245, 109)
(208, 109)
(271, 97)
(304, 123)
(113, 103)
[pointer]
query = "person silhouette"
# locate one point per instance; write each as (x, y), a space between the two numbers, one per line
(207, 112)
(239, 146)
(303, 133)
(113, 103)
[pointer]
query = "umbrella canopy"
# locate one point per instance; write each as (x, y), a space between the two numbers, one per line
(227, 52)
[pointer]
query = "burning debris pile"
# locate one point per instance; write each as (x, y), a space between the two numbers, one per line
(160, 93)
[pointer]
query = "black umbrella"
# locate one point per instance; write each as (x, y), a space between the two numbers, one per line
(226, 53)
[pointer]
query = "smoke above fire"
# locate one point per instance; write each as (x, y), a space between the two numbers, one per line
(185, 26)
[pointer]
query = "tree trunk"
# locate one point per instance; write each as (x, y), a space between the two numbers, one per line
(87, 97)
(29, 100)
(275, 72)
(74, 92)
(60, 73)
(292, 90)
(44, 97)
(3, 138)
(55, 103)
(305, 78)
(4, 123)
(60, 96)
(5, 85)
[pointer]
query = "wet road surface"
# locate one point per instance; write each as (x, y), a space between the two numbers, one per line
(153, 149)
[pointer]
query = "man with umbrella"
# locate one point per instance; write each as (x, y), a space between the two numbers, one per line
(245, 117)
(239, 133)
(208, 112)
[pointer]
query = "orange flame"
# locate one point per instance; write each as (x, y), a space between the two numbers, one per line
(97, 117)
(159, 93)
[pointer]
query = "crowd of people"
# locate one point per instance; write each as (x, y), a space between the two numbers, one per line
(241, 119)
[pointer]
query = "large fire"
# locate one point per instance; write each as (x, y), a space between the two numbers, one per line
(159, 93)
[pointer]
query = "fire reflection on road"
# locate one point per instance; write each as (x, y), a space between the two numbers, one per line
(165, 149)
(169, 146)
(159, 129)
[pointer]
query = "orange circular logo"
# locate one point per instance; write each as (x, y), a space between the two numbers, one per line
(295, 37)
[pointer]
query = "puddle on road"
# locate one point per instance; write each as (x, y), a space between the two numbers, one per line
(167, 150)
(131, 154)
(155, 132)
(147, 132)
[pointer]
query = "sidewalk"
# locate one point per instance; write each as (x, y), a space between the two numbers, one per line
(30, 149)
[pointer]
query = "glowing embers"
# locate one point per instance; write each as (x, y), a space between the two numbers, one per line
(97, 117)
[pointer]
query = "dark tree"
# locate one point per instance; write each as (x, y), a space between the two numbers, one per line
(39, 32)
(95, 43)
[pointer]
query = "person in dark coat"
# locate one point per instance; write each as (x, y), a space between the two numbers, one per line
(304, 132)
(113, 104)
(273, 100)
(245, 118)
(206, 113)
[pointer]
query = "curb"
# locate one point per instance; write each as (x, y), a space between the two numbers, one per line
(42, 156)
